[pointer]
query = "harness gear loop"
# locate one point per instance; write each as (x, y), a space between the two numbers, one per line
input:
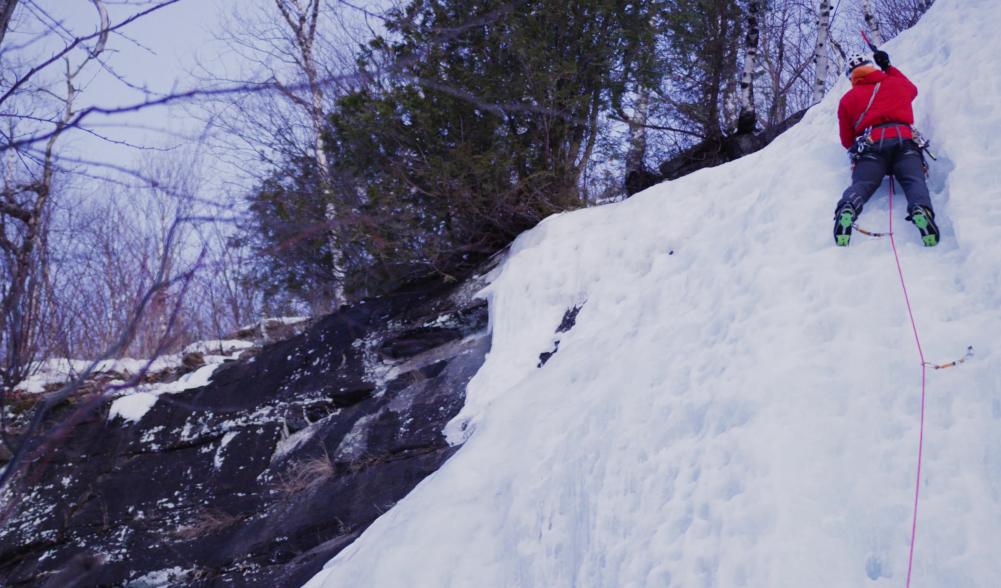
(923, 143)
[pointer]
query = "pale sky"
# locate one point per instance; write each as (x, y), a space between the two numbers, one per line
(171, 40)
(169, 45)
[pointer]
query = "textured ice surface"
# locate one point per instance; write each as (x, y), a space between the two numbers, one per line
(744, 412)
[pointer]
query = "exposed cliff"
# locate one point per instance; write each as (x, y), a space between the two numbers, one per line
(261, 476)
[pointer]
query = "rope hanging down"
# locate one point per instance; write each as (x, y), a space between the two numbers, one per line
(924, 372)
(924, 378)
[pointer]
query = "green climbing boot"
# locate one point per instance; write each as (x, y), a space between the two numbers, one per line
(924, 219)
(843, 221)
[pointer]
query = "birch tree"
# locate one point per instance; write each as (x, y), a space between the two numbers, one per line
(300, 49)
(870, 20)
(637, 140)
(787, 48)
(821, 58)
(748, 117)
(301, 17)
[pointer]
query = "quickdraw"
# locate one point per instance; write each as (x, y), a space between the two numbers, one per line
(960, 361)
(870, 233)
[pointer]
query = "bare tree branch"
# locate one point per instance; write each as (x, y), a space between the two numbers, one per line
(101, 35)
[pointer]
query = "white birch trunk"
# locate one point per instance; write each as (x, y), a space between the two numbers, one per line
(820, 54)
(870, 20)
(637, 132)
(303, 25)
(326, 184)
(748, 117)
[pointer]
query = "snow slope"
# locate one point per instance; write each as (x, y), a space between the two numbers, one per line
(743, 411)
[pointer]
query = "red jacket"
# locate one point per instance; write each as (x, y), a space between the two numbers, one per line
(892, 105)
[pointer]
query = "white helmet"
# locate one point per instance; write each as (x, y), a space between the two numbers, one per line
(855, 60)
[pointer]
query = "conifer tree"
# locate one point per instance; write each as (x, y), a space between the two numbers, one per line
(702, 43)
(482, 125)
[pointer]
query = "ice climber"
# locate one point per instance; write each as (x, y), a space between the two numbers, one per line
(876, 118)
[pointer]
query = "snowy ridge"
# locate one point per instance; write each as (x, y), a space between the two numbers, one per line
(738, 402)
(133, 402)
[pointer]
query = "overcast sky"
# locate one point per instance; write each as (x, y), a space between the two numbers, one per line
(157, 53)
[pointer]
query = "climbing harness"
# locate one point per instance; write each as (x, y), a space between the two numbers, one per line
(859, 148)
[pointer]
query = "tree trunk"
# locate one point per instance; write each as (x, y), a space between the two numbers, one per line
(6, 11)
(777, 111)
(820, 55)
(718, 59)
(748, 117)
(638, 177)
(637, 132)
(871, 22)
(303, 25)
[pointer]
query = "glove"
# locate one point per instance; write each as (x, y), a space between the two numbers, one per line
(882, 59)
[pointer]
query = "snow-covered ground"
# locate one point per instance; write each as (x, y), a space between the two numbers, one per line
(738, 403)
(133, 402)
(52, 373)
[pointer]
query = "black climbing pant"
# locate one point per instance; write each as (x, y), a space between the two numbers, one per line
(901, 158)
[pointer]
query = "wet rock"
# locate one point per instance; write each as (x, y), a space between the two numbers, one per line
(262, 476)
(566, 324)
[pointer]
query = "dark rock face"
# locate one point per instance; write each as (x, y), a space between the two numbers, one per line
(569, 321)
(638, 180)
(719, 151)
(709, 153)
(262, 476)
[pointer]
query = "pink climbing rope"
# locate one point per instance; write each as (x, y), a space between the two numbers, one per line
(924, 365)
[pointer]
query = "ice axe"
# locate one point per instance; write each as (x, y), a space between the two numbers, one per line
(868, 42)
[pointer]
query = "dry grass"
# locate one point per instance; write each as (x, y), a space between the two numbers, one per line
(306, 475)
(206, 522)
